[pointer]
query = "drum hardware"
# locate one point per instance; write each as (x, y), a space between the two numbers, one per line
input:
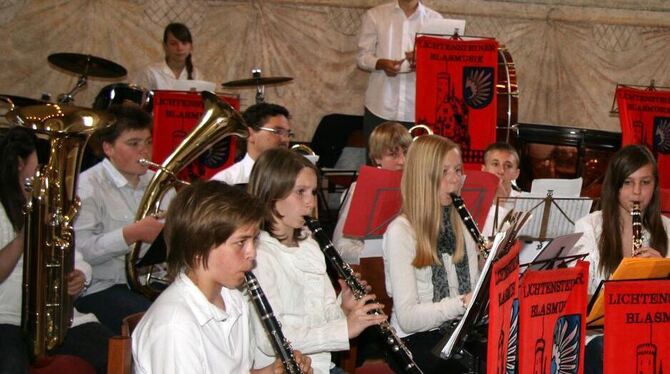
(86, 66)
(122, 93)
(19, 101)
(258, 81)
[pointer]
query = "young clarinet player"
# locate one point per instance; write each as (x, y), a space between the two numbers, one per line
(201, 323)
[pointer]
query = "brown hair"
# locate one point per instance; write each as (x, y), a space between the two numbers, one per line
(273, 178)
(624, 163)
(203, 216)
(388, 136)
(502, 147)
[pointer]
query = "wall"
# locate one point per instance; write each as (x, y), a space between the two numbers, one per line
(569, 54)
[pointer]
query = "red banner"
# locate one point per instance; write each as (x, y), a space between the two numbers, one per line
(644, 116)
(502, 354)
(552, 320)
(456, 91)
(175, 115)
(637, 325)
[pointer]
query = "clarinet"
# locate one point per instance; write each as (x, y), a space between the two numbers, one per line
(636, 215)
(396, 346)
(281, 346)
(471, 225)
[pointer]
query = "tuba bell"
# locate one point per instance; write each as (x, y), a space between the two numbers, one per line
(418, 128)
(48, 255)
(218, 121)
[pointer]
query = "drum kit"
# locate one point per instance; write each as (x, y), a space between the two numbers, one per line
(88, 66)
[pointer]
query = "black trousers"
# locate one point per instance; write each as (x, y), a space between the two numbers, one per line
(421, 345)
(112, 305)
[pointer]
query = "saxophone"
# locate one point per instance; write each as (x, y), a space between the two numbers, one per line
(218, 121)
(471, 225)
(48, 255)
(272, 327)
(636, 215)
(396, 346)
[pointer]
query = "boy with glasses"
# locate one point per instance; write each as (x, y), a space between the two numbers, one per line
(269, 128)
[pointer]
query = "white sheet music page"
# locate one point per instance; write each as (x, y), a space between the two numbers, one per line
(447, 350)
(563, 213)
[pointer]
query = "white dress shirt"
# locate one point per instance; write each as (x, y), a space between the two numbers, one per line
(592, 227)
(349, 248)
(238, 173)
(412, 288)
(159, 76)
(108, 202)
(387, 33)
(11, 289)
(182, 332)
(295, 282)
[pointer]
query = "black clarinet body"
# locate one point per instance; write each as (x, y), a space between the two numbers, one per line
(393, 342)
(470, 225)
(281, 346)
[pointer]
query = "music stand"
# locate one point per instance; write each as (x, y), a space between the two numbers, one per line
(551, 216)
(555, 254)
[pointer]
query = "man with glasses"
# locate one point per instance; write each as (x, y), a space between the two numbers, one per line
(268, 128)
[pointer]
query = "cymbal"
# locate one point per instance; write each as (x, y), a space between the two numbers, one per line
(87, 65)
(20, 100)
(260, 81)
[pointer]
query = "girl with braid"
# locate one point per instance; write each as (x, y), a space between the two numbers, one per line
(178, 64)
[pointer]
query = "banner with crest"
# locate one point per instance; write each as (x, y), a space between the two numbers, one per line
(503, 336)
(552, 320)
(456, 91)
(644, 115)
(175, 114)
(637, 322)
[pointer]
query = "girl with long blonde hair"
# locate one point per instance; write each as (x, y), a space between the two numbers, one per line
(431, 266)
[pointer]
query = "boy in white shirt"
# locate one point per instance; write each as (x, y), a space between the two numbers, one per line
(501, 159)
(201, 323)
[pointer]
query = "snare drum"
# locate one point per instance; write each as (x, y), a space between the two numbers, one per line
(119, 93)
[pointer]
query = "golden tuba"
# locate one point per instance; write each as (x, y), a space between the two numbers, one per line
(48, 255)
(219, 120)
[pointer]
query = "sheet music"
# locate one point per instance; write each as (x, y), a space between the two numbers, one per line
(557, 247)
(447, 350)
(559, 221)
(560, 187)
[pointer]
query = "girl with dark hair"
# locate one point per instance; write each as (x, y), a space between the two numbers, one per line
(177, 65)
(291, 268)
(631, 177)
(87, 338)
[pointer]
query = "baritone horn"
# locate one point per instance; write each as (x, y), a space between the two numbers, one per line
(49, 248)
(218, 121)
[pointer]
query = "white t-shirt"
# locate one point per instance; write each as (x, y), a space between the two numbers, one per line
(159, 76)
(182, 332)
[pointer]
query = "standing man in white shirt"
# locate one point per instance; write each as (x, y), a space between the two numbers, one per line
(105, 228)
(269, 128)
(386, 49)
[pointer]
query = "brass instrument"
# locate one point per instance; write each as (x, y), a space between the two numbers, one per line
(218, 121)
(48, 255)
(425, 128)
(636, 215)
(280, 344)
(303, 149)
